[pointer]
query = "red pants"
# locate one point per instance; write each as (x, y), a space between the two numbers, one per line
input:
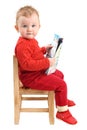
(54, 82)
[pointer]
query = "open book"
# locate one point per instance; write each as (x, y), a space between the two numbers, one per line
(54, 52)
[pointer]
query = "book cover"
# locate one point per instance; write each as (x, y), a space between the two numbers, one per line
(54, 52)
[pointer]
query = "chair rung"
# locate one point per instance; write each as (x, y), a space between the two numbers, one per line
(34, 110)
(34, 98)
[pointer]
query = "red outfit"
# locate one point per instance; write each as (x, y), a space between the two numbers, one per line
(32, 67)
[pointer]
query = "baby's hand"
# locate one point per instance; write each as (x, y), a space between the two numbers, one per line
(52, 61)
(48, 47)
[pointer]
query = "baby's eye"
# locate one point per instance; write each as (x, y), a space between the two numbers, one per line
(33, 25)
(24, 26)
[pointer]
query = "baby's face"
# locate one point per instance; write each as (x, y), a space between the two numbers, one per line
(28, 26)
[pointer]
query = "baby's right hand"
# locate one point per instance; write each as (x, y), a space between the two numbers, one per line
(52, 61)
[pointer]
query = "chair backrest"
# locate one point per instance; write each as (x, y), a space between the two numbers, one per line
(15, 67)
(15, 75)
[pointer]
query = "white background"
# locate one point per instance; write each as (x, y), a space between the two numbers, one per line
(68, 18)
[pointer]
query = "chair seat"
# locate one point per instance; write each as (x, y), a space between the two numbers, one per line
(24, 90)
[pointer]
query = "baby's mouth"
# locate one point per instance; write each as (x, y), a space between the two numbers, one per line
(29, 33)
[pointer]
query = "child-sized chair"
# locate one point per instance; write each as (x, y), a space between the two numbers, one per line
(20, 91)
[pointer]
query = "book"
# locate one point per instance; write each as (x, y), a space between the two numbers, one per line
(54, 52)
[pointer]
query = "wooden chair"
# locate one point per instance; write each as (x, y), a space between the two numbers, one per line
(20, 91)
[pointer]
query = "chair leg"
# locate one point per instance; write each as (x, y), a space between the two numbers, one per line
(17, 105)
(51, 106)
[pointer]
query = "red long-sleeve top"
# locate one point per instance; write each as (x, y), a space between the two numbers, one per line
(30, 57)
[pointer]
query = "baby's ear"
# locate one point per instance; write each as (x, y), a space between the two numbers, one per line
(16, 27)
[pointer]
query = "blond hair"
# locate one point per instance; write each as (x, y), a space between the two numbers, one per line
(26, 11)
